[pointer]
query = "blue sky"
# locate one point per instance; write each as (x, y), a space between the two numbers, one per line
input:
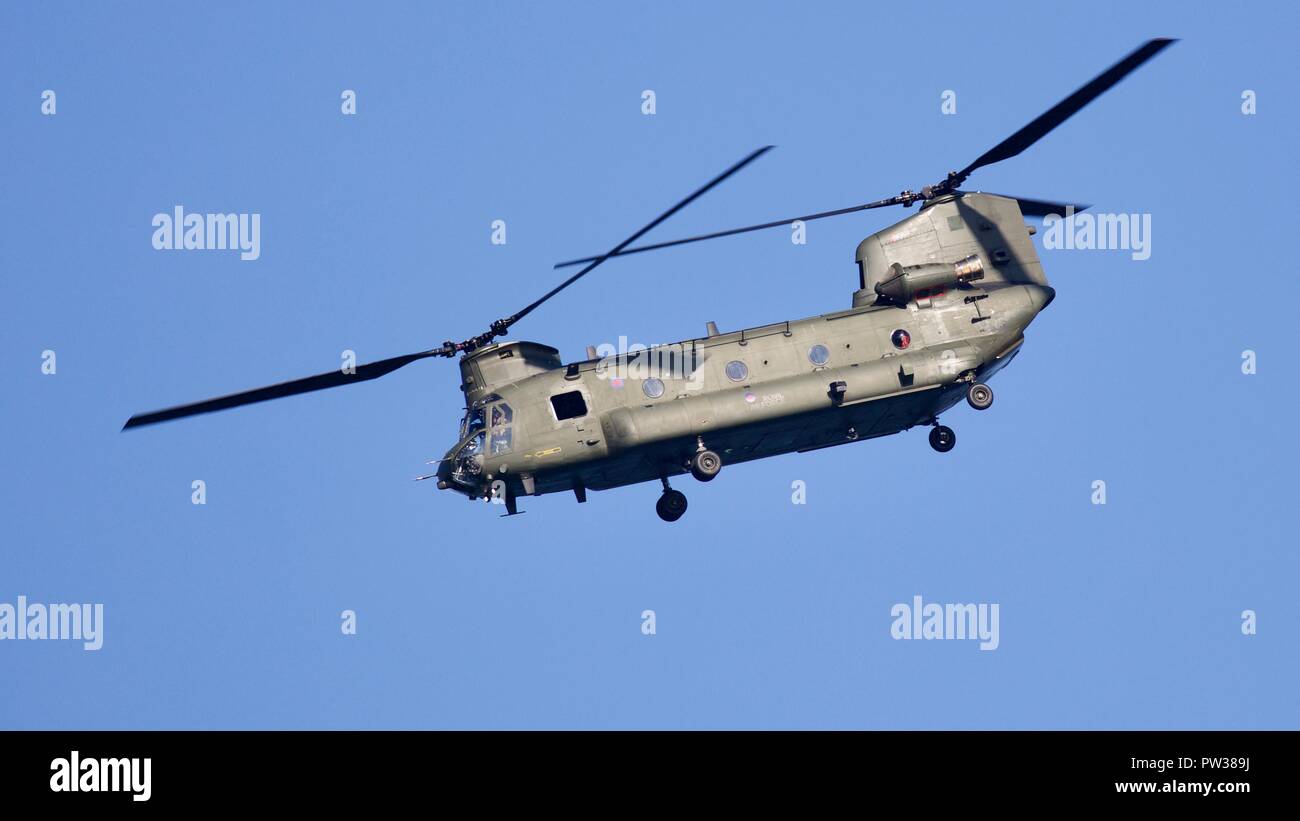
(375, 237)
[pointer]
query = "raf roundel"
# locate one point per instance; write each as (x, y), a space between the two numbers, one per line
(901, 339)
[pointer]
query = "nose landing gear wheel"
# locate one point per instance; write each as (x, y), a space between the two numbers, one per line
(671, 505)
(942, 438)
(979, 396)
(705, 465)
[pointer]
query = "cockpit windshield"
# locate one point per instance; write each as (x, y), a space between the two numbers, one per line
(489, 415)
(475, 420)
(467, 465)
(471, 448)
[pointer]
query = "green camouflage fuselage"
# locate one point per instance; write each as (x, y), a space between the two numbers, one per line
(917, 337)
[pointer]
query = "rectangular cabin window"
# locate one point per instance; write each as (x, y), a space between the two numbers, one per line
(569, 405)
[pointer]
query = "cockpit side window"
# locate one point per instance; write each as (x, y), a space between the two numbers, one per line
(502, 438)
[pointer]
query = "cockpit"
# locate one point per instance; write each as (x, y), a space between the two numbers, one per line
(468, 462)
(487, 429)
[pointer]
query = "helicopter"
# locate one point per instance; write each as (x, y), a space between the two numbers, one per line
(944, 298)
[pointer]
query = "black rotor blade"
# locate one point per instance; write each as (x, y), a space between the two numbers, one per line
(1006, 149)
(374, 370)
(1065, 109)
(733, 231)
(333, 379)
(618, 249)
(1041, 208)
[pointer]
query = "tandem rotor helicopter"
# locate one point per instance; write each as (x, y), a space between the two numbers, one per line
(944, 299)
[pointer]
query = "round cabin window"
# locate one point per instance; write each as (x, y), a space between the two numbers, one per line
(901, 339)
(654, 388)
(818, 355)
(737, 370)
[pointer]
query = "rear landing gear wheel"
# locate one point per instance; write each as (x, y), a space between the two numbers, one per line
(705, 464)
(942, 438)
(671, 505)
(979, 396)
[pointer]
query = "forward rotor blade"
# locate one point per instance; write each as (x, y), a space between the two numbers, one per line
(1041, 208)
(618, 249)
(374, 370)
(1062, 111)
(333, 379)
(733, 231)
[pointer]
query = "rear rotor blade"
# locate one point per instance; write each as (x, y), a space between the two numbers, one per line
(333, 379)
(1006, 149)
(618, 249)
(1062, 111)
(1041, 208)
(733, 231)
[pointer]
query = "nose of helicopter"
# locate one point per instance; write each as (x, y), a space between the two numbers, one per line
(444, 472)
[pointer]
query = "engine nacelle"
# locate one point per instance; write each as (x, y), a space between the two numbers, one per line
(903, 283)
(953, 227)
